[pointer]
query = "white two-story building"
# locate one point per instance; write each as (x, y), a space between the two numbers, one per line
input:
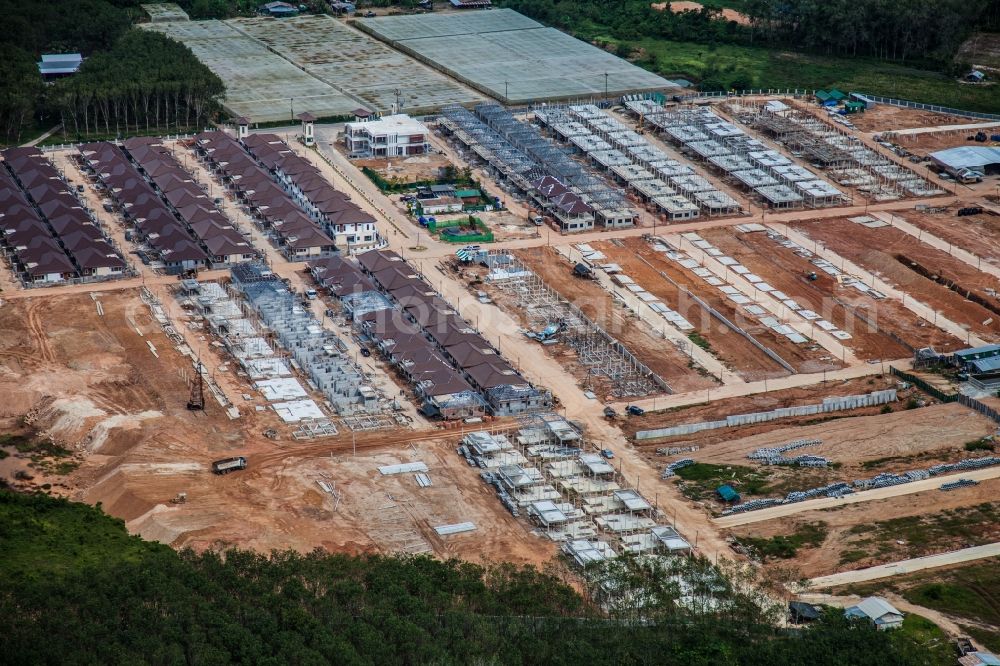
(391, 136)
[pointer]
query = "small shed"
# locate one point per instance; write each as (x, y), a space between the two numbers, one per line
(59, 64)
(727, 493)
(444, 190)
(981, 658)
(975, 76)
(468, 196)
(965, 358)
(831, 97)
(858, 97)
(799, 612)
(279, 9)
(339, 7)
(878, 611)
(855, 107)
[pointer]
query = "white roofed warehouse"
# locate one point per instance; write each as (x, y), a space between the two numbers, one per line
(984, 159)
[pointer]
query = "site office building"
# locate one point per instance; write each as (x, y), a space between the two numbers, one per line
(392, 136)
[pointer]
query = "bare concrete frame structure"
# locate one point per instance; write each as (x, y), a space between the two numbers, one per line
(602, 354)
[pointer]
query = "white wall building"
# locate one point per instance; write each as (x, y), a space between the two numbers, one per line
(391, 136)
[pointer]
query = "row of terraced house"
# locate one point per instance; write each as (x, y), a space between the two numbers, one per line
(352, 229)
(48, 235)
(175, 225)
(273, 209)
(454, 371)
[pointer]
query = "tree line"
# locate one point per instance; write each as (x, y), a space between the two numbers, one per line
(76, 588)
(901, 30)
(130, 79)
(146, 80)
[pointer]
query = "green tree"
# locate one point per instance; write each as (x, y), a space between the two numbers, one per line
(20, 91)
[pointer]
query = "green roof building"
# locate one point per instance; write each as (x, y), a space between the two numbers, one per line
(727, 493)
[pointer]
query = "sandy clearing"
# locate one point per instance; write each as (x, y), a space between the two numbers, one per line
(919, 307)
(850, 440)
(687, 5)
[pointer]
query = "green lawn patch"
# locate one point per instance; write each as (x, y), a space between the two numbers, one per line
(699, 340)
(785, 546)
(459, 230)
(701, 479)
(921, 631)
(970, 592)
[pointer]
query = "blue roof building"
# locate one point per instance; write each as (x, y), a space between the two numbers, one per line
(969, 356)
(727, 493)
(878, 611)
(60, 64)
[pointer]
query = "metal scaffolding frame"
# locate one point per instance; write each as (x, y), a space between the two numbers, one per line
(554, 160)
(598, 351)
(551, 469)
(631, 149)
(845, 157)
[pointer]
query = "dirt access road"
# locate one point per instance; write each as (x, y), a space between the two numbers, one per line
(784, 510)
(905, 566)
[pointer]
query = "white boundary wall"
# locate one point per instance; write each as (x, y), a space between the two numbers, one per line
(834, 404)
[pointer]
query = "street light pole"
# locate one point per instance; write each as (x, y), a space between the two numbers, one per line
(605, 86)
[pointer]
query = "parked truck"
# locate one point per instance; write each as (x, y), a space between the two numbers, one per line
(227, 465)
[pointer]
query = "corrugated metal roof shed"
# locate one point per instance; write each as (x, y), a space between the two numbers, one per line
(967, 157)
(60, 63)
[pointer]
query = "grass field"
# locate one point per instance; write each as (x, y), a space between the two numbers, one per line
(931, 637)
(766, 68)
(701, 479)
(970, 593)
(57, 536)
(972, 525)
(787, 546)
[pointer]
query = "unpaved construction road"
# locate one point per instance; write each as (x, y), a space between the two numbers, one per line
(864, 496)
(906, 566)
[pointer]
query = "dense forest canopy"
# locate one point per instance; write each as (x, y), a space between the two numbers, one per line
(896, 30)
(131, 78)
(921, 34)
(145, 80)
(76, 588)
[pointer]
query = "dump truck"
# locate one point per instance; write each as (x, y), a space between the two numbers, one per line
(227, 465)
